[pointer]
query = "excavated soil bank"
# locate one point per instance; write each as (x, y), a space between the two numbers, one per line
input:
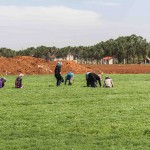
(31, 65)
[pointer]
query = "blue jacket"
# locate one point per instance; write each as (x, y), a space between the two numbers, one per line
(70, 75)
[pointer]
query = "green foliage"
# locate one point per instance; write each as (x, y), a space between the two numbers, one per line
(42, 116)
(133, 49)
(5, 52)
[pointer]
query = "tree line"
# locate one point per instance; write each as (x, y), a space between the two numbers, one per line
(131, 48)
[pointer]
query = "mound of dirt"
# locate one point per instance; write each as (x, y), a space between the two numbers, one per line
(32, 65)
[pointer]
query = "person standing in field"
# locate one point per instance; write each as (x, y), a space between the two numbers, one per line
(18, 81)
(108, 82)
(69, 77)
(2, 82)
(92, 79)
(58, 76)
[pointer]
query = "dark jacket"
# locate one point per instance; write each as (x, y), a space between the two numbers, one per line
(18, 82)
(93, 78)
(57, 70)
(2, 82)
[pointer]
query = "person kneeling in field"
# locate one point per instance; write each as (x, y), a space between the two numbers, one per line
(2, 82)
(18, 81)
(92, 79)
(69, 77)
(108, 82)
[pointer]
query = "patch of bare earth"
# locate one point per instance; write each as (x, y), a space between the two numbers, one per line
(31, 65)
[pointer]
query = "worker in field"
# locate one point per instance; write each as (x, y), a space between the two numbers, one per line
(18, 81)
(2, 82)
(58, 75)
(69, 77)
(92, 79)
(87, 79)
(108, 82)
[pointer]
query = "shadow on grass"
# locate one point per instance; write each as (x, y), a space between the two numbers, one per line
(51, 85)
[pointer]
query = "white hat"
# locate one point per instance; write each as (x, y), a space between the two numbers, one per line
(4, 79)
(21, 75)
(59, 64)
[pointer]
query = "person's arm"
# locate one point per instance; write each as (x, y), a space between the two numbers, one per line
(99, 81)
(97, 78)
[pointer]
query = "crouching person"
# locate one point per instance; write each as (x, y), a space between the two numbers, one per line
(2, 82)
(69, 77)
(108, 82)
(18, 81)
(92, 79)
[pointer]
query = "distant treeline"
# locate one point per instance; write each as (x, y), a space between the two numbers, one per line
(131, 48)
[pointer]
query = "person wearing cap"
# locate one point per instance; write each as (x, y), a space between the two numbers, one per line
(69, 77)
(92, 79)
(57, 72)
(108, 82)
(18, 81)
(2, 82)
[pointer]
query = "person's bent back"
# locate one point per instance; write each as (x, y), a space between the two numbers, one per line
(18, 81)
(92, 79)
(108, 83)
(70, 78)
(2, 82)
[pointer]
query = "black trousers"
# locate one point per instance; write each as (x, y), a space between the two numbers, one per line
(59, 79)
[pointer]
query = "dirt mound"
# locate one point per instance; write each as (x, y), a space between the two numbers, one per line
(32, 65)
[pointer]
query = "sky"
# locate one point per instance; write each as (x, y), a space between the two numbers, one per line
(61, 23)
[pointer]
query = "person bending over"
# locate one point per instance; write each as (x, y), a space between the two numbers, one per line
(108, 82)
(92, 79)
(18, 81)
(2, 82)
(69, 77)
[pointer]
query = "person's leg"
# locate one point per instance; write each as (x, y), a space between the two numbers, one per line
(95, 84)
(92, 83)
(57, 82)
(65, 80)
(88, 82)
(62, 79)
(57, 79)
(70, 80)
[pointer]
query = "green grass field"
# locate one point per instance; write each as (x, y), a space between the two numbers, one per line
(45, 117)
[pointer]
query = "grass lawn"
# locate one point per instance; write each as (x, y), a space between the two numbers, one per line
(45, 117)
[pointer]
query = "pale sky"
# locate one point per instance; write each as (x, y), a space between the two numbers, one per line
(60, 23)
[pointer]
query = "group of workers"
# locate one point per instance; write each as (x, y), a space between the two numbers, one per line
(18, 81)
(92, 79)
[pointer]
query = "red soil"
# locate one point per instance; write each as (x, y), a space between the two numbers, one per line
(120, 69)
(31, 65)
